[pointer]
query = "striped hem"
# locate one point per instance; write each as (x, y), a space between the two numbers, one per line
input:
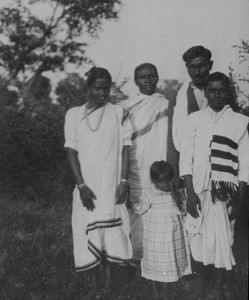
(88, 266)
(94, 250)
(117, 260)
(102, 256)
(103, 224)
(148, 127)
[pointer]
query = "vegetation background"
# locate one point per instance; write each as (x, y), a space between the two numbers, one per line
(36, 260)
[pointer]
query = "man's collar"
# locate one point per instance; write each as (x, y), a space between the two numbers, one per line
(194, 87)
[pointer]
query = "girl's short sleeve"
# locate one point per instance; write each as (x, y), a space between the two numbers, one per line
(70, 130)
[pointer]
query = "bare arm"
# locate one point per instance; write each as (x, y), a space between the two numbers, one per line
(193, 201)
(86, 194)
(172, 153)
(72, 156)
(123, 187)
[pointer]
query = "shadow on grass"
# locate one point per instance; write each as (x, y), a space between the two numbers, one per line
(36, 258)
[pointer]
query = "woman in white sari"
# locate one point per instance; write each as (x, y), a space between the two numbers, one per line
(97, 145)
(148, 114)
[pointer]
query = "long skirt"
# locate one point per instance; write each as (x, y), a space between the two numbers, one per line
(211, 235)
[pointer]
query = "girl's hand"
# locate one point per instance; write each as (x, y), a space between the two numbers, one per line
(87, 196)
(193, 202)
(122, 193)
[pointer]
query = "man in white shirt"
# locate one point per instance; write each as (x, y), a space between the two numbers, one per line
(214, 162)
(189, 98)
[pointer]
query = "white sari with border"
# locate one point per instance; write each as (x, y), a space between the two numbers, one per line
(100, 154)
(149, 119)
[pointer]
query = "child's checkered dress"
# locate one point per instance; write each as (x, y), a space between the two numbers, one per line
(166, 255)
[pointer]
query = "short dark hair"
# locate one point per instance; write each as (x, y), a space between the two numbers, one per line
(95, 73)
(161, 169)
(218, 76)
(144, 65)
(231, 97)
(195, 52)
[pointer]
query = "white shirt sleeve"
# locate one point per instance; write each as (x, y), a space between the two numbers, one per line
(187, 148)
(70, 130)
(179, 116)
(243, 157)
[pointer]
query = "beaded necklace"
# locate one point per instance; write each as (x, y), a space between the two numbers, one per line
(99, 121)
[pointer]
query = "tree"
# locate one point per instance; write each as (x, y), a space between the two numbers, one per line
(241, 81)
(169, 88)
(33, 45)
(71, 91)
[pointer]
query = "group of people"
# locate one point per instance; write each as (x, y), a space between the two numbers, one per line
(128, 159)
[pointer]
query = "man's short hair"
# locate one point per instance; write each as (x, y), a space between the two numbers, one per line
(195, 52)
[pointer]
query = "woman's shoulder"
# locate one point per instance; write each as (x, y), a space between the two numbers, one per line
(116, 108)
(76, 110)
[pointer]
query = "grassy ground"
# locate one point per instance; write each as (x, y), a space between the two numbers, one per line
(36, 260)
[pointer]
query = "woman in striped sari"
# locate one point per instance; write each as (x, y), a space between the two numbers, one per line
(149, 119)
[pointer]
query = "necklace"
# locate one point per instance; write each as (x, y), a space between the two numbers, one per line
(99, 121)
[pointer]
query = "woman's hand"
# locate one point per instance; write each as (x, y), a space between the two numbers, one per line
(87, 196)
(122, 193)
(193, 202)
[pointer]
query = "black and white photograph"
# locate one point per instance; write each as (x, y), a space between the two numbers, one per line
(124, 149)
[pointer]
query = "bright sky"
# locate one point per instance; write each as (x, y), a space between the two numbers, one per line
(159, 31)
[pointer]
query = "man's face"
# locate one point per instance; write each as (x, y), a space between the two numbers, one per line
(198, 70)
(99, 91)
(216, 93)
(147, 80)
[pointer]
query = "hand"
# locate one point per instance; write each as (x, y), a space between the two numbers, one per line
(234, 213)
(193, 202)
(87, 196)
(122, 193)
(235, 205)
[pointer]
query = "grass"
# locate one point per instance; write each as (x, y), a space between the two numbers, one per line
(36, 257)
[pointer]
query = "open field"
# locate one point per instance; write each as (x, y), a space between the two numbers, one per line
(36, 260)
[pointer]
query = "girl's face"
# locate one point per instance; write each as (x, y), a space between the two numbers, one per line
(216, 93)
(147, 80)
(162, 185)
(98, 92)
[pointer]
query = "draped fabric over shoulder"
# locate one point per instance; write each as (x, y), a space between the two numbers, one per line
(214, 150)
(99, 153)
(149, 118)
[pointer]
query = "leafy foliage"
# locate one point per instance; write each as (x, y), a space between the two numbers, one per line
(32, 159)
(169, 88)
(36, 45)
(71, 91)
(241, 81)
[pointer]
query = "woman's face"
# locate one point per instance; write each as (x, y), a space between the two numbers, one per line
(98, 92)
(146, 80)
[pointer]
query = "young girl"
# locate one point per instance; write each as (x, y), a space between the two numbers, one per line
(166, 255)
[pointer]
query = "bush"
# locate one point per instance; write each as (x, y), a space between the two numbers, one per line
(32, 159)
